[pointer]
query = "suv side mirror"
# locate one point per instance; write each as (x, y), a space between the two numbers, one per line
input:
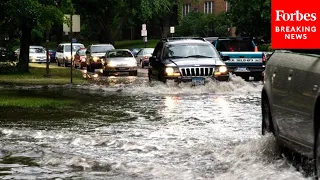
(225, 58)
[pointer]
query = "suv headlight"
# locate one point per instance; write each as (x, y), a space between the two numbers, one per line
(221, 70)
(172, 71)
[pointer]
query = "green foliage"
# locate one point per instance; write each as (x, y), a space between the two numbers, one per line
(265, 47)
(204, 25)
(135, 44)
(251, 16)
(19, 18)
(107, 19)
(8, 67)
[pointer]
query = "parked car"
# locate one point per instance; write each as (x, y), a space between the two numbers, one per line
(80, 58)
(52, 55)
(63, 53)
(142, 57)
(134, 51)
(241, 57)
(186, 60)
(6, 54)
(120, 60)
(95, 55)
(291, 101)
(37, 54)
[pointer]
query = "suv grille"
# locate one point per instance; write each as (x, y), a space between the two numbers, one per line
(196, 71)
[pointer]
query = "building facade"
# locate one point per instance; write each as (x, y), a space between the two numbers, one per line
(207, 7)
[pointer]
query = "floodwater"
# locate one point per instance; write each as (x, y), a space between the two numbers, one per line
(129, 129)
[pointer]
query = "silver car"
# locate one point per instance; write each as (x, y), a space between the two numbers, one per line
(143, 56)
(120, 60)
(291, 101)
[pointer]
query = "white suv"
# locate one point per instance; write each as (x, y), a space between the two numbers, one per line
(63, 54)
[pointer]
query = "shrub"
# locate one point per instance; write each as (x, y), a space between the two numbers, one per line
(8, 67)
(265, 47)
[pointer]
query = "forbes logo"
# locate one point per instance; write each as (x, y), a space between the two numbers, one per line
(296, 16)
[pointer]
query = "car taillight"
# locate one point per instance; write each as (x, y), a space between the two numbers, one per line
(145, 57)
(264, 58)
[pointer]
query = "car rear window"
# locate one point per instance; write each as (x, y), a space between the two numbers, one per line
(75, 48)
(148, 51)
(82, 52)
(36, 50)
(113, 54)
(235, 45)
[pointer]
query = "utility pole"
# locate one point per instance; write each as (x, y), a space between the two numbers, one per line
(71, 34)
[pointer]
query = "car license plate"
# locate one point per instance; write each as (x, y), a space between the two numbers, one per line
(198, 81)
(123, 68)
(241, 69)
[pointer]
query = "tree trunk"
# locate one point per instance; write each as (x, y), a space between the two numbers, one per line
(23, 64)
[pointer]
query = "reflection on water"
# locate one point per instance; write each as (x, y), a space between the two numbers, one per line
(142, 131)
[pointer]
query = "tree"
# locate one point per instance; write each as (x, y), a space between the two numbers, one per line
(251, 17)
(108, 18)
(204, 25)
(23, 17)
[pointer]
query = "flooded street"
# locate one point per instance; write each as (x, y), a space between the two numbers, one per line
(128, 129)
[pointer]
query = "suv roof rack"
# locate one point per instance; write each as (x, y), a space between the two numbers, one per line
(181, 38)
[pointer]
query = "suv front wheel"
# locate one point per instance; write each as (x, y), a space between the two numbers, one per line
(161, 77)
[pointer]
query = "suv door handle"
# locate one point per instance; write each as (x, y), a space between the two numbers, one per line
(290, 75)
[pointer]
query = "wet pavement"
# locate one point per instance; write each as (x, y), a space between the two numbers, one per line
(125, 128)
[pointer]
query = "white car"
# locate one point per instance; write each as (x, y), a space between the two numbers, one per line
(63, 53)
(120, 60)
(37, 54)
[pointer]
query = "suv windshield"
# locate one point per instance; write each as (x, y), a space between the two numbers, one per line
(36, 50)
(74, 49)
(101, 49)
(189, 50)
(235, 45)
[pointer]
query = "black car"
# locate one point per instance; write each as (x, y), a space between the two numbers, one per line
(6, 54)
(186, 60)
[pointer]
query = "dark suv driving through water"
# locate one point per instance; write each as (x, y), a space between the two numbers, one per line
(186, 60)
